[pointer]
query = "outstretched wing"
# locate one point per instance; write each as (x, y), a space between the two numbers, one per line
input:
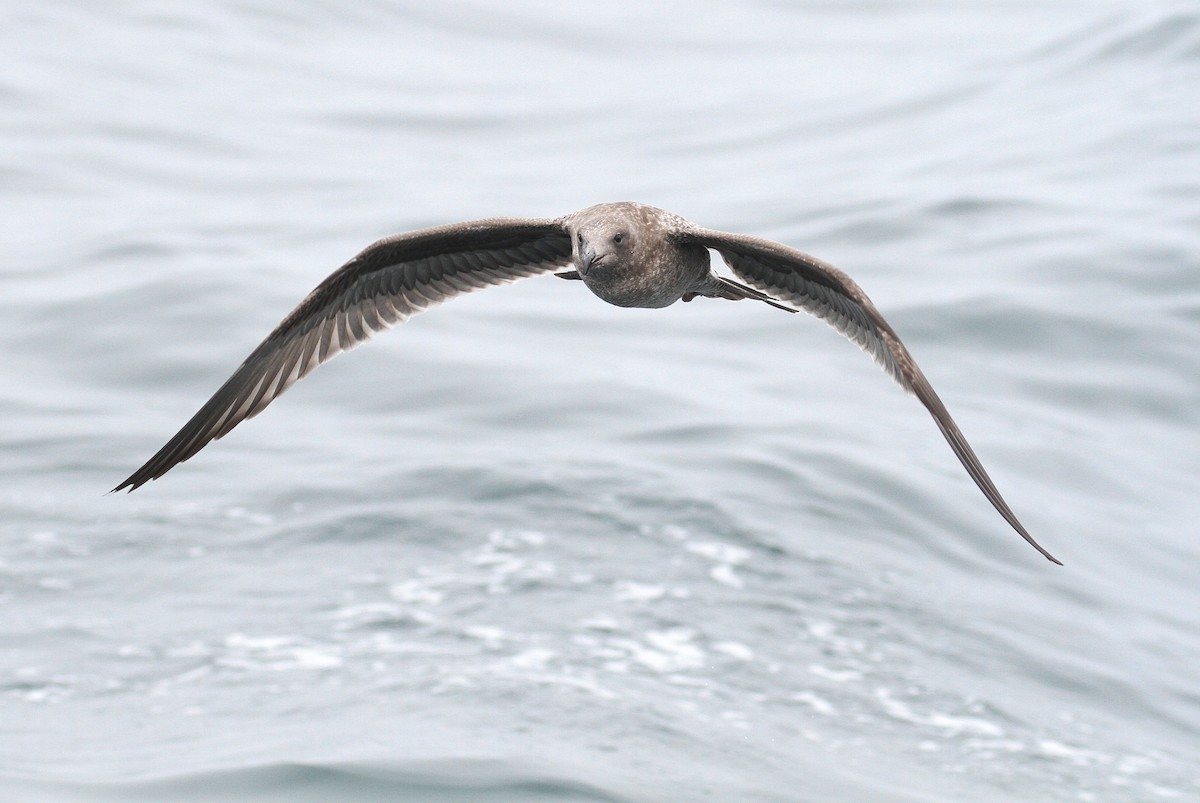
(817, 287)
(384, 285)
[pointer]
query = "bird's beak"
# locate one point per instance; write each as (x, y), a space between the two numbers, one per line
(587, 259)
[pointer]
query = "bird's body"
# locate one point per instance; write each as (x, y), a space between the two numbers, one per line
(625, 255)
(628, 254)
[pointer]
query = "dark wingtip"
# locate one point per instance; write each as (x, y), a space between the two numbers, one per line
(1016, 525)
(132, 483)
(1039, 548)
(921, 388)
(1049, 557)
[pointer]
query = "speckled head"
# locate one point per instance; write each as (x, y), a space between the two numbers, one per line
(626, 254)
(606, 237)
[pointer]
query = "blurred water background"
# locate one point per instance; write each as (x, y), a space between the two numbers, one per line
(533, 547)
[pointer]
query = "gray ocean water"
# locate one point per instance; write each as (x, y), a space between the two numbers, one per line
(533, 547)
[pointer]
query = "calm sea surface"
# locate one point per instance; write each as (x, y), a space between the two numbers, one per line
(533, 547)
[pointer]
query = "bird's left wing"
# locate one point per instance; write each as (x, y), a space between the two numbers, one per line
(821, 289)
(384, 285)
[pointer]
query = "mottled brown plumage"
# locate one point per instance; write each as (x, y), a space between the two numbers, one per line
(628, 254)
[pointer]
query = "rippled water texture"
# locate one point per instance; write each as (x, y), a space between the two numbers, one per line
(533, 547)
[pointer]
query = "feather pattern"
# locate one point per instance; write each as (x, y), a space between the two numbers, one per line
(384, 285)
(819, 288)
(627, 254)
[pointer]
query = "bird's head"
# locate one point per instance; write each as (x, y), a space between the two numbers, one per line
(604, 241)
(603, 248)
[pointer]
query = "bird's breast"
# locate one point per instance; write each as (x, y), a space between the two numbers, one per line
(654, 282)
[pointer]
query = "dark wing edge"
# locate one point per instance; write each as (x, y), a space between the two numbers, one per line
(384, 285)
(823, 290)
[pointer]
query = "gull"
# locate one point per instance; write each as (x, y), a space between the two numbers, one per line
(628, 254)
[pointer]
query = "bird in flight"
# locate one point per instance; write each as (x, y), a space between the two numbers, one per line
(628, 254)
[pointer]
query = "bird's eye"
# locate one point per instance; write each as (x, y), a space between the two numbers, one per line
(618, 237)
(580, 238)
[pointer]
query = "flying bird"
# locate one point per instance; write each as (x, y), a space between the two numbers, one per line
(628, 254)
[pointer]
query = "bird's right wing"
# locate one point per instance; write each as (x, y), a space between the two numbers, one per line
(384, 285)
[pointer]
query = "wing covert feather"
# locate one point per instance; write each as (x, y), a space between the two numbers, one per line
(384, 285)
(819, 288)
